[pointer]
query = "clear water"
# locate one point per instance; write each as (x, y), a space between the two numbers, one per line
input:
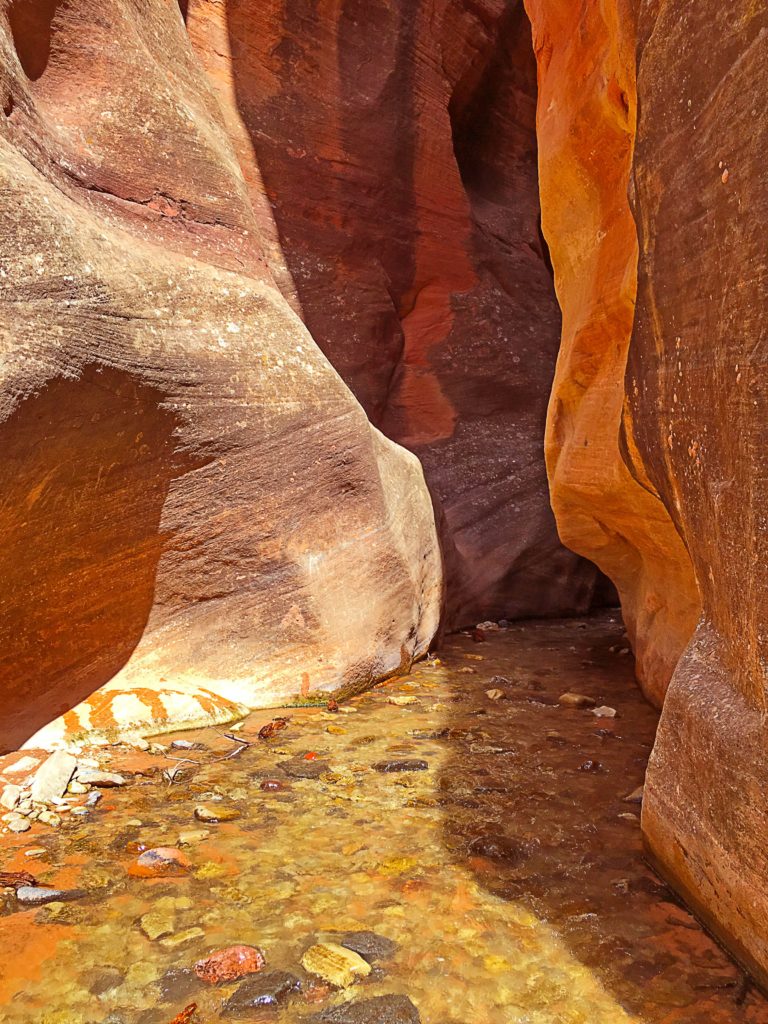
(516, 892)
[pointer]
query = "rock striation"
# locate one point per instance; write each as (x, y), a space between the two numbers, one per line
(197, 515)
(653, 193)
(396, 145)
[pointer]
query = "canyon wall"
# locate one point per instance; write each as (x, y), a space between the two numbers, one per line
(605, 505)
(697, 389)
(197, 515)
(657, 424)
(396, 144)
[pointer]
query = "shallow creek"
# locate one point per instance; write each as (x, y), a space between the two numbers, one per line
(509, 873)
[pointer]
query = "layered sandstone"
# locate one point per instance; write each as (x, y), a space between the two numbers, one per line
(696, 384)
(396, 144)
(196, 513)
(604, 504)
(656, 430)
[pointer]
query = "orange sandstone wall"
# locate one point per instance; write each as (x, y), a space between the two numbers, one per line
(604, 504)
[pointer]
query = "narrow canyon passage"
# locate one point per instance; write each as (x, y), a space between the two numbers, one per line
(486, 833)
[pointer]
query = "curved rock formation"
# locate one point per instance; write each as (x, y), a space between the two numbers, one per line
(696, 381)
(604, 504)
(396, 142)
(656, 441)
(196, 513)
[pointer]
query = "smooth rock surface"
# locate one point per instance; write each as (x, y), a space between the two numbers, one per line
(52, 777)
(238, 531)
(379, 1010)
(268, 989)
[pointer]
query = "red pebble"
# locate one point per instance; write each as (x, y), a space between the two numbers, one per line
(311, 756)
(162, 862)
(229, 964)
(271, 785)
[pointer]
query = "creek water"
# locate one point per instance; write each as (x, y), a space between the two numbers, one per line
(508, 872)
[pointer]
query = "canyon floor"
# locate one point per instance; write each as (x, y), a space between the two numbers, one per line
(462, 813)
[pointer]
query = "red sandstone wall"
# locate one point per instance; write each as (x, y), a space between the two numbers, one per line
(396, 144)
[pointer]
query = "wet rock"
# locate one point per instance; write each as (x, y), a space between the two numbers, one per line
(185, 745)
(182, 938)
(36, 896)
(162, 862)
(52, 777)
(379, 1010)
(635, 797)
(178, 984)
(576, 700)
(413, 764)
(213, 813)
(499, 847)
(10, 796)
(193, 836)
(591, 766)
(604, 712)
(271, 786)
(102, 780)
(335, 964)
(17, 823)
(301, 768)
(229, 964)
(403, 702)
(369, 945)
(77, 788)
(494, 694)
(159, 922)
(49, 818)
(92, 799)
(268, 989)
(500, 681)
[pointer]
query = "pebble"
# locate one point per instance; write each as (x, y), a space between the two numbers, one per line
(369, 945)
(403, 702)
(214, 813)
(159, 922)
(49, 818)
(178, 983)
(52, 777)
(576, 700)
(389, 1009)
(78, 788)
(162, 862)
(36, 851)
(229, 964)
(181, 938)
(604, 711)
(267, 989)
(18, 823)
(635, 797)
(413, 764)
(185, 745)
(37, 896)
(193, 836)
(494, 694)
(591, 766)
(557, 738)
(104, 780)
(271, 786)
(10, 796)
(335, 964)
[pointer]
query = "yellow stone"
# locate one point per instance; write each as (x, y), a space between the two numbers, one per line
(335, 964)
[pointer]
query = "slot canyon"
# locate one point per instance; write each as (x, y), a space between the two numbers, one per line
(383, 619)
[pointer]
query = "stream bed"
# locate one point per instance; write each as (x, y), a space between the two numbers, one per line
(475, 825)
